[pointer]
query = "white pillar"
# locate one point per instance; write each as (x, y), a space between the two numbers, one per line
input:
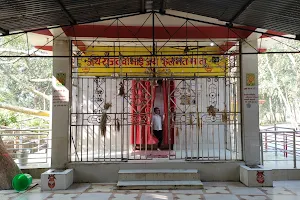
(61, 84)
(249, 98)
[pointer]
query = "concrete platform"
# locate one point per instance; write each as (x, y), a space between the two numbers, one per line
(159, 185)
(159, 175)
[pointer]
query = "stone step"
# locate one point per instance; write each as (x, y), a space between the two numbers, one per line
(159, 185)
(159, 175)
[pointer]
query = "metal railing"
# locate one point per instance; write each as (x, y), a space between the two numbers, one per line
(28, 147)
(281, 145)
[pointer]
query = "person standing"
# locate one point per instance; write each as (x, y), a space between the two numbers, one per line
(157, 127)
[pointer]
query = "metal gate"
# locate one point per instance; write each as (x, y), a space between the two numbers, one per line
(111, 117)
(204, 119)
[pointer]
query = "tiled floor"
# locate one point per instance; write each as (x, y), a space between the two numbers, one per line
(282, 190)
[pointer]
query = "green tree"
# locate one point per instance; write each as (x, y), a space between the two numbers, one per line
(25, 82)
(279, 79)
(21, 91)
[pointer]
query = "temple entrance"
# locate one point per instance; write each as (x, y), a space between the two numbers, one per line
(113, 101)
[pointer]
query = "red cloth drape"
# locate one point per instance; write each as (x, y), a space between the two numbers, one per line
(168, 89)
(143, 96)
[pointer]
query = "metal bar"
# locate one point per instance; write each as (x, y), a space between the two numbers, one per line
(235, 119)
(143, 8)
(116, 136)
(240, 11)
(48, 42)
(168, 85)
(104, 134)
(147, 55)
(87, 127)
(171, 36)
(261, 148)
(133, 34)
(275, 139)
(93, 107)
(192, 123)
(294, 150)
(163, 25)
(206, 36)
(244, 40)
(4, 31)
(128, 120)
(66, 12)
(185, 124)
(81, 130)
(123, 124)
(198, 117)
(23, 130)
(222, 25)
(79, 23)
(110, 143)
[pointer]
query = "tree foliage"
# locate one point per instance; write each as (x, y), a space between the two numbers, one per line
(279, 79)
(17, 75)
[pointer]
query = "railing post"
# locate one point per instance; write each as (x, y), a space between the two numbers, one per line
(261, 148)
(285, 145)
(39, 139)
(266, 141)
(275, 140)
(294, 149)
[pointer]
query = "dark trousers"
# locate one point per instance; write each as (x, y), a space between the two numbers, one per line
(159, 136)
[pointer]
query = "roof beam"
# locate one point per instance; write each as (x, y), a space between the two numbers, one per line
(4, 31)
(162, 9)
(143, 6)
(71, 18)
(243, 8)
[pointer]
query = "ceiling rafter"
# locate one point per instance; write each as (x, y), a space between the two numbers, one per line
(143, 6)
(162, 9)
(243, 8)
(67, 13)
(4, 31)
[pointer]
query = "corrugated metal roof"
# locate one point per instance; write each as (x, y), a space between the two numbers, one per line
(276, 15)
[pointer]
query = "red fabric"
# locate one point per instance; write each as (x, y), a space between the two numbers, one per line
(168, 87)
(133, 112)
(142, 106)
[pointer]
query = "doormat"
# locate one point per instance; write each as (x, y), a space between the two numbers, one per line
(153, 153)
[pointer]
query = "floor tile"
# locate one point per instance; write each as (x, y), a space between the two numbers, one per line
(124, 196)
(187, 191)
(287, 184)
(296, 191)
(276, 190)
(75, 188)
(223, 184)
(188, 196)
(37, 189)
(100, 188)
(8, 191)
(32, 196)
(62, 196)
(252, 197)
(245, 191)
(93, 196)
(128, 191)
(8, 195)
(216, 190)
(284, 197)
(156, 196)
(157, 191)
(220, 197)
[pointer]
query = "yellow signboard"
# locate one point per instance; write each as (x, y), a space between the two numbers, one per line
(104, 61)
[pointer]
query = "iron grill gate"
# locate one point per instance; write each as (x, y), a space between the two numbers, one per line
(203, 117)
